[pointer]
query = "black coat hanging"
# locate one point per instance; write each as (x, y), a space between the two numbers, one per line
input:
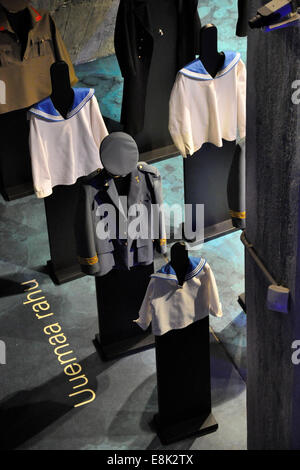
(134, 48)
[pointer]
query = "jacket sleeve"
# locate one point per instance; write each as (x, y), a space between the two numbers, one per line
(123, 38)
(39, 162)
(236, 187)
(241, 98)
(60, 51)
(179, 119)
(242, 23)
(161, 242)
(145, 313)
(85, 232)
(99, 130)
(215, 306)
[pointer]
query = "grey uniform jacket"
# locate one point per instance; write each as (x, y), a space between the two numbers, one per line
(121, 250)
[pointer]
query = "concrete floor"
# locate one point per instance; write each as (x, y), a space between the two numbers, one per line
(35, 409)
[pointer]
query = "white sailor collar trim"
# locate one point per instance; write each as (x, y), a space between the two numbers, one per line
(168, 273)
(46, 110)
(197, 70)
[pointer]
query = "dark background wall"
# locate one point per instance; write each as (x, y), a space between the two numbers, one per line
(87, 26)
(273, 179)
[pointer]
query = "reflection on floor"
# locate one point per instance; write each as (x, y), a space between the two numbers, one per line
(36, 410)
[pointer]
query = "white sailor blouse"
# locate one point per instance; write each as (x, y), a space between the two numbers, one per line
(206, 109)
(62, 150)
(169, 306)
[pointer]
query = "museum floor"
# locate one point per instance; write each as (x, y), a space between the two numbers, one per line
(36, 411)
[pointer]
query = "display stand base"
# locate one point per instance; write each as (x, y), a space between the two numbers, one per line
(16, 192)
(63, 275)
(242, 302)
(218, 230)
(159, 154)
(60, 208)
(124, 347)
(212, 232)
(120, 294)
(176, 432)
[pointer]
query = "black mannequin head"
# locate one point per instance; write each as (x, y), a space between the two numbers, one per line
(180, 261)
(209, 55)
(60, 78)
(62, 94)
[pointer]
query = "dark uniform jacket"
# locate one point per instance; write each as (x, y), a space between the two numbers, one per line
(236, 188)
(99, 256)
(25, 68)
(134, 47)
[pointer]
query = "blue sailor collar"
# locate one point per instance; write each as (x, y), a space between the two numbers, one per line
(46, 110)
(197, 70)
(168, 273)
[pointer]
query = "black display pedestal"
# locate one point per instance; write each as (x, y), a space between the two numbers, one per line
(119, 297)
(205, 182)
(60, 213)
(183, 383)
(15, 163)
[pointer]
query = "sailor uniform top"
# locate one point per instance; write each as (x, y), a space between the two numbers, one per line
(169, 306)
(206, 109)
(63, 150)
(25, 64)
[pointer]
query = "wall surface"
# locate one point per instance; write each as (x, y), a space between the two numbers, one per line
(273, 178)
(87, 26)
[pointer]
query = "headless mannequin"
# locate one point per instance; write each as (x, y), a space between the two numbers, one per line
(62, 95)
(180, 261)
(208, 54)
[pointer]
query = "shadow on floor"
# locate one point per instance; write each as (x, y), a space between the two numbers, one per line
(27, 413)
(9, 287)
(234, 341)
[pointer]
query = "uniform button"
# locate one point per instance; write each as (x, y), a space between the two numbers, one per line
(126, 243)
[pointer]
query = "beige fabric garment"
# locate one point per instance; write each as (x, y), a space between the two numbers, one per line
(168, 306)
(205, 109)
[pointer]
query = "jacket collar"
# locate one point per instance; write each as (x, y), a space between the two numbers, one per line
(168, 273)
(46, 110)
(5, 25)
(111, 190)
(197, 70)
